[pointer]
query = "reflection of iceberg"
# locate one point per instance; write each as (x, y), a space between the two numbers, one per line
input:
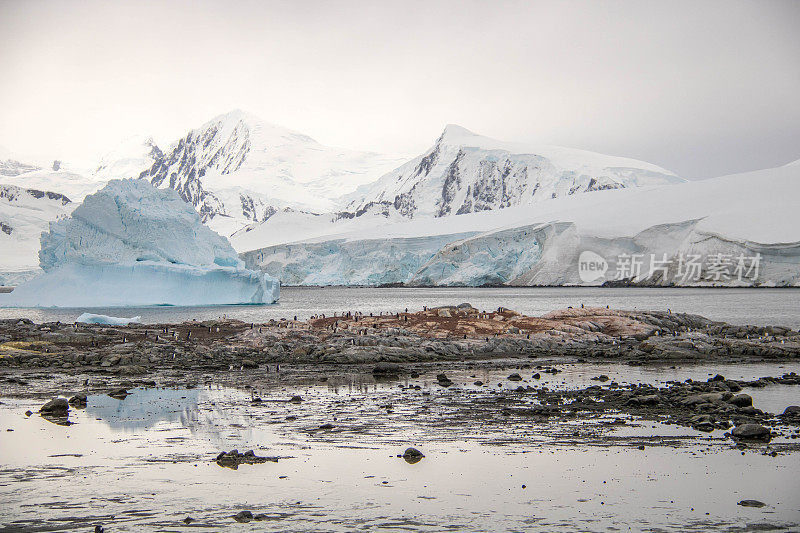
(132, 244)
(145, 408)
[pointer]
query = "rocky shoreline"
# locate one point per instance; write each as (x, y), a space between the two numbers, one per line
(51, 359)
(441, 334)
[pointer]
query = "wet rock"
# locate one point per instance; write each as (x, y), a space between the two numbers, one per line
(295, 399)
(243, 516)
(233, 459)
(733, 386)
(386, 369)
(515, 377)
(188, 520)
(55, 407)
(601, 378)
(79, 400)
(741, 400)
(751, 503)
(119, 393)
(647, 399)
(327, 426)
(412, 455)
(793, 411)
(700, 399)
(443, 380)
(751, 432)
(703, 422)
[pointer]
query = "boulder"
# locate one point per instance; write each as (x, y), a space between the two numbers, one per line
(751, 432)
(55, 407)
(741, 400)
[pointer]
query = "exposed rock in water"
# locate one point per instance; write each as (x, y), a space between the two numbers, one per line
(515, 377)
(119, 393)
(751, 503)
(383, 368)
(443, 380)
(55, 407)
(233, 459)
(243, 516)
(741, 400)
(412, 455)
(78, 400)
(751, 432)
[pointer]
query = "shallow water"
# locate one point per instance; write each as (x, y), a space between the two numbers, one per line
(145, 463)
(737, 306)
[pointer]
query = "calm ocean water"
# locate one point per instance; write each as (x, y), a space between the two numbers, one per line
(737, 306)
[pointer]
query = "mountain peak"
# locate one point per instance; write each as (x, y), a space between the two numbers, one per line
(455, 134)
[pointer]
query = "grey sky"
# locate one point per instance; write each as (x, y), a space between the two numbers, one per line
(700, 87)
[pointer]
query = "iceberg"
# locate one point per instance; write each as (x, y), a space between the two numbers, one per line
(131, 244)
(91, 318)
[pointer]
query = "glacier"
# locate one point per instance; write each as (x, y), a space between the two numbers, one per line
(750, 215)
(131, 244)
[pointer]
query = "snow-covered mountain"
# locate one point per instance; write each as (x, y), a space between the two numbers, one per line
(237, 169)
(466, 173)
(24, 215)
(690, 233)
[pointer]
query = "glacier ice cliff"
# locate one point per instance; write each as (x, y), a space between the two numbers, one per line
(739, 230)
(131, 244)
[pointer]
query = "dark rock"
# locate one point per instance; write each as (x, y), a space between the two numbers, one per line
(119, 393)
(793, 411)
(386, 369)
(56, 407)
(233, 459)
(648, 399)
(741, 400)
(751, 503)
(412, 455)
(443, 380)
(296, 399)
(79, 400)
(327, 426)
(703, 422)
(751, 432)
(243, 516)
(515, 377)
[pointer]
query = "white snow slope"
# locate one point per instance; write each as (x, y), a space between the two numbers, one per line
(131, 244)
(744, 214)
(465, 173)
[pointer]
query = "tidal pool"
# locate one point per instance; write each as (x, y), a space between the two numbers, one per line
(146, 463)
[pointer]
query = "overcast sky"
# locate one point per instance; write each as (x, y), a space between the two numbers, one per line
(702, 88)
